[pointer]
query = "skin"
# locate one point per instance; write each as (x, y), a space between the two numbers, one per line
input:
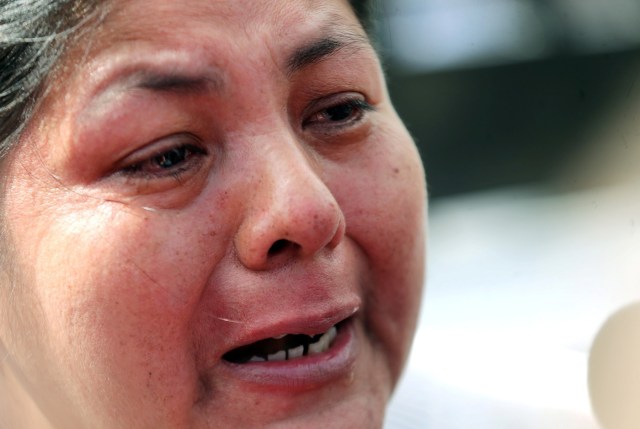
(129, 281)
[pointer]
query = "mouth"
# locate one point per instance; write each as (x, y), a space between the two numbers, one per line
(285, 347)
(297, 355)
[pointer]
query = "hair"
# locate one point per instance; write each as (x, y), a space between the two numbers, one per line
(33, 35)
(365, 13)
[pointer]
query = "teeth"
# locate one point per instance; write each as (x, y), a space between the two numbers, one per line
(332, 333)
(257, 359)
(279, 356)
(296, 352)
(317, 347)
(320, 346)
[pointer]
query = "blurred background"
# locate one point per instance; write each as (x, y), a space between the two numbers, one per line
(527, 116)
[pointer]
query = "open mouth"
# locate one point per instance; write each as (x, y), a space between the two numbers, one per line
(283, 348)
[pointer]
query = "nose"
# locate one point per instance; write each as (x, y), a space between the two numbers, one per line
(291, 213)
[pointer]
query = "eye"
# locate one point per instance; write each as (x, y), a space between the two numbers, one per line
(338, 112)
(170, 158)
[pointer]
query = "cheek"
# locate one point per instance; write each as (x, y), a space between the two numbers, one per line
(117, 288)
(383, 196)
(385, 209)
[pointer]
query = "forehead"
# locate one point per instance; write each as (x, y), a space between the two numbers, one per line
(274, 21)
(198, 34)
(249, 11)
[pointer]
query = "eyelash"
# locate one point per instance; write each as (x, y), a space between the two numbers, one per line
(150, 166)
(358, 105)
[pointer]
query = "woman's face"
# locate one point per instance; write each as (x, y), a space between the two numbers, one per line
(203, 178)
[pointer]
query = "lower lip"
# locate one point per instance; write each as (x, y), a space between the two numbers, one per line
(304, 373)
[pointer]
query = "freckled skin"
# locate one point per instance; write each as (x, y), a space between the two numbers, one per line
(131, 288)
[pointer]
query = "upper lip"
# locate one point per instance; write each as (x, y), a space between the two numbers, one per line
(308, 323)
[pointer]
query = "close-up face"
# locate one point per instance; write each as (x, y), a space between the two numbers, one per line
(214, 219)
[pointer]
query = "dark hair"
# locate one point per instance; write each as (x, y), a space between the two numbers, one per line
(32, 37)
(33, 34)
(364, 12)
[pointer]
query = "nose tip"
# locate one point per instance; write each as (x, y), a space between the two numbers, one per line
(289, 210)
(290, 228)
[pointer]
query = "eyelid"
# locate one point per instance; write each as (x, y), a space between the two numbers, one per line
(158, 147)
(355, 99)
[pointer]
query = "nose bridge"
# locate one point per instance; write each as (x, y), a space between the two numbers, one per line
(293, 176)
(291, 210)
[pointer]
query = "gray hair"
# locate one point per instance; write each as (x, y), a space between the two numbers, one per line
(32, 37)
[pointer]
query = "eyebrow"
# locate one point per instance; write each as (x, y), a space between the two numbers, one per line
(181, 83)
(321, 49)
(172, 82)
(177, 82)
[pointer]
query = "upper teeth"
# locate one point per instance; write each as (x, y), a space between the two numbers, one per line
(320, 346)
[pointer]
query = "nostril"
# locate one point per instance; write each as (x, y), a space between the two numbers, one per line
(279, 246)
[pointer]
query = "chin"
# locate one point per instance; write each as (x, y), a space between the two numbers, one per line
(358, 411)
